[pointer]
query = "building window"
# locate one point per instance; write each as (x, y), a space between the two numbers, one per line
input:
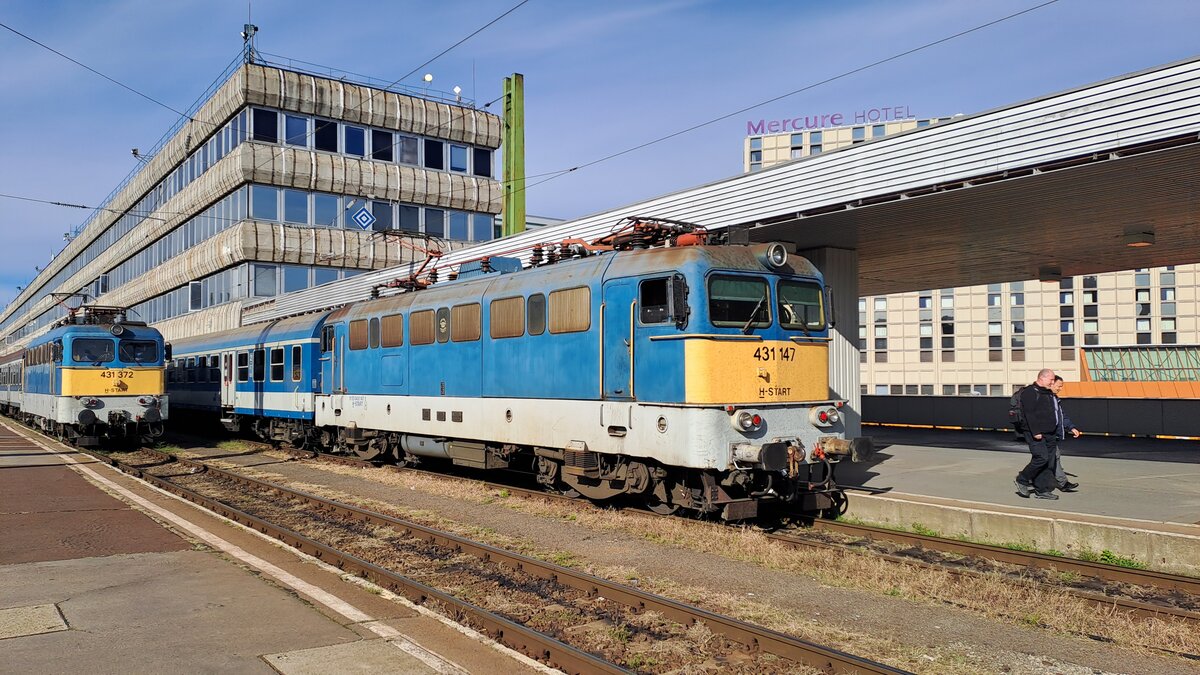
(1143, 338)
(858, 133)
(927, 390)
(1018, 355)
(434, 154)
(1141, 279)
(756, 143)
(482, 162)
(459, 226)
(265, 284)
(814, 149)
(947, 356)
(947, 390)
(1066, 298)
(458, 158)
(266, 125)
(1089, 282)
(1143, 324)
(264, 202)
(796, 153)
(1066, 311)
(1067, 283)
(325, 210)
(995, 355)
(1066, 340)
(756, 156)
(878, 131)
(295, 207)
(435, 222)
(1168, 338)
(926, 356)
(354, 141)
(1017, 299)
(482, 226)
(295, 278)
(881, 390)
(880, 357)
(797, 139)
(325, 135)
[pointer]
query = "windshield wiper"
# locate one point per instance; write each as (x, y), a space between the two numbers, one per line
(803, 318)
(753, 315)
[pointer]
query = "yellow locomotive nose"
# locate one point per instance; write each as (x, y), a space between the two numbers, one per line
(112, 381)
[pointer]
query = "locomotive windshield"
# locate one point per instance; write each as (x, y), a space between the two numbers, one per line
(800, 306)
(92, 350)
(740, 302)
(139, 351)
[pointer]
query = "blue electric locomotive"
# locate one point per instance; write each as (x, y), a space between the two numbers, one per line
(92, 376)
(694, 377)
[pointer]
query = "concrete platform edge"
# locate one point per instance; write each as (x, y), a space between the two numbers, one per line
(1175, 552)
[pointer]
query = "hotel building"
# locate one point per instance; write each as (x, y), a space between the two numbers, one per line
(987, 340)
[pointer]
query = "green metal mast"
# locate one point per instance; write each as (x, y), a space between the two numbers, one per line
(514, 154)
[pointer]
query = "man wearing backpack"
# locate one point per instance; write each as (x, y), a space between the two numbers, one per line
(1041, 423)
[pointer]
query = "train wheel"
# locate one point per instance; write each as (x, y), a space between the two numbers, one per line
(659, 500)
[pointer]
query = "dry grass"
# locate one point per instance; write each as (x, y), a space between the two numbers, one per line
(989, 596)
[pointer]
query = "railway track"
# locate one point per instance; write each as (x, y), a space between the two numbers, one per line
(1182, 591)
(748, 643)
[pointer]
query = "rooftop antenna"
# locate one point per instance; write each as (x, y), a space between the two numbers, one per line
(137, 154)
(249, 30)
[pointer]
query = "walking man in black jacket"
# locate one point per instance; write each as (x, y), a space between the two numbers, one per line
(1042, 421)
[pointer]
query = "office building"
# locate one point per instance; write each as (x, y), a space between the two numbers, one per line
(278, 180)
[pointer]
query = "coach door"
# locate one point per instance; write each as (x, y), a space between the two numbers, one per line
(329, 360)
(620, 296)
(228, 379)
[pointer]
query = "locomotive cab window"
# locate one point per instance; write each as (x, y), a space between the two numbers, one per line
(800, 306)
(92, 350)
(739, 302)
(327, 338)
(138, 351)
(374, 333)
(654, 300)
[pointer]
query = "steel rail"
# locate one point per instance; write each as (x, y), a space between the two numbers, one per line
(754, 638)
(526, 640)
(1099, 570)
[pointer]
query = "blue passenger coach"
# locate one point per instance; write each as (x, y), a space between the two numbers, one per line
(261, 377)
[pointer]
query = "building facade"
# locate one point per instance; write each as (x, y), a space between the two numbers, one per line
(277, 181)
(987, 340)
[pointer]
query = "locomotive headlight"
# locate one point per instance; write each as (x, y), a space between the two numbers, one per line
(89, 401)
(745, 421)
(777, 255)
(824, 416)
(148, 401)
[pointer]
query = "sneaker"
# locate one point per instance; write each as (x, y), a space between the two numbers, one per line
(1023, 490)
(1069, 487)
(1045, 495)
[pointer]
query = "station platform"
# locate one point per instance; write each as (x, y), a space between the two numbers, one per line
(1138, 498)
(102, 573)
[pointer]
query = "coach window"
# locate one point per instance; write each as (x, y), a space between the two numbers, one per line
(296, 369)
(214, 369)
(535, 309)
(358, 334)
(392, 329)
(443, 324)
(464, 322)
(277, 364)
(260, 364)
(191, 369)
(243, 366)
(654, 301)
(739, 302)
(420, 327)
(374, 333)
(507, 318)
(571, 310)
(800, 306)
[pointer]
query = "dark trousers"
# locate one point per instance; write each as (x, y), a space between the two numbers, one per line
(1044, 458)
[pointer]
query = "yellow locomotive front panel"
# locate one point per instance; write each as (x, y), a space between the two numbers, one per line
(112, 381)
(735, 371)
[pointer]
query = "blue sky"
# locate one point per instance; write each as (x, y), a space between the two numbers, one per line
(600, 77)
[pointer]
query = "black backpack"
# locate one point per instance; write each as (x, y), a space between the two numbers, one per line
(1016, 414)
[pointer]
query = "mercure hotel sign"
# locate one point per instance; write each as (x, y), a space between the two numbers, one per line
(867, 116)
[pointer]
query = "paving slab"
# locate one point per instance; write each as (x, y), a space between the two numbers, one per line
(32, 620)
